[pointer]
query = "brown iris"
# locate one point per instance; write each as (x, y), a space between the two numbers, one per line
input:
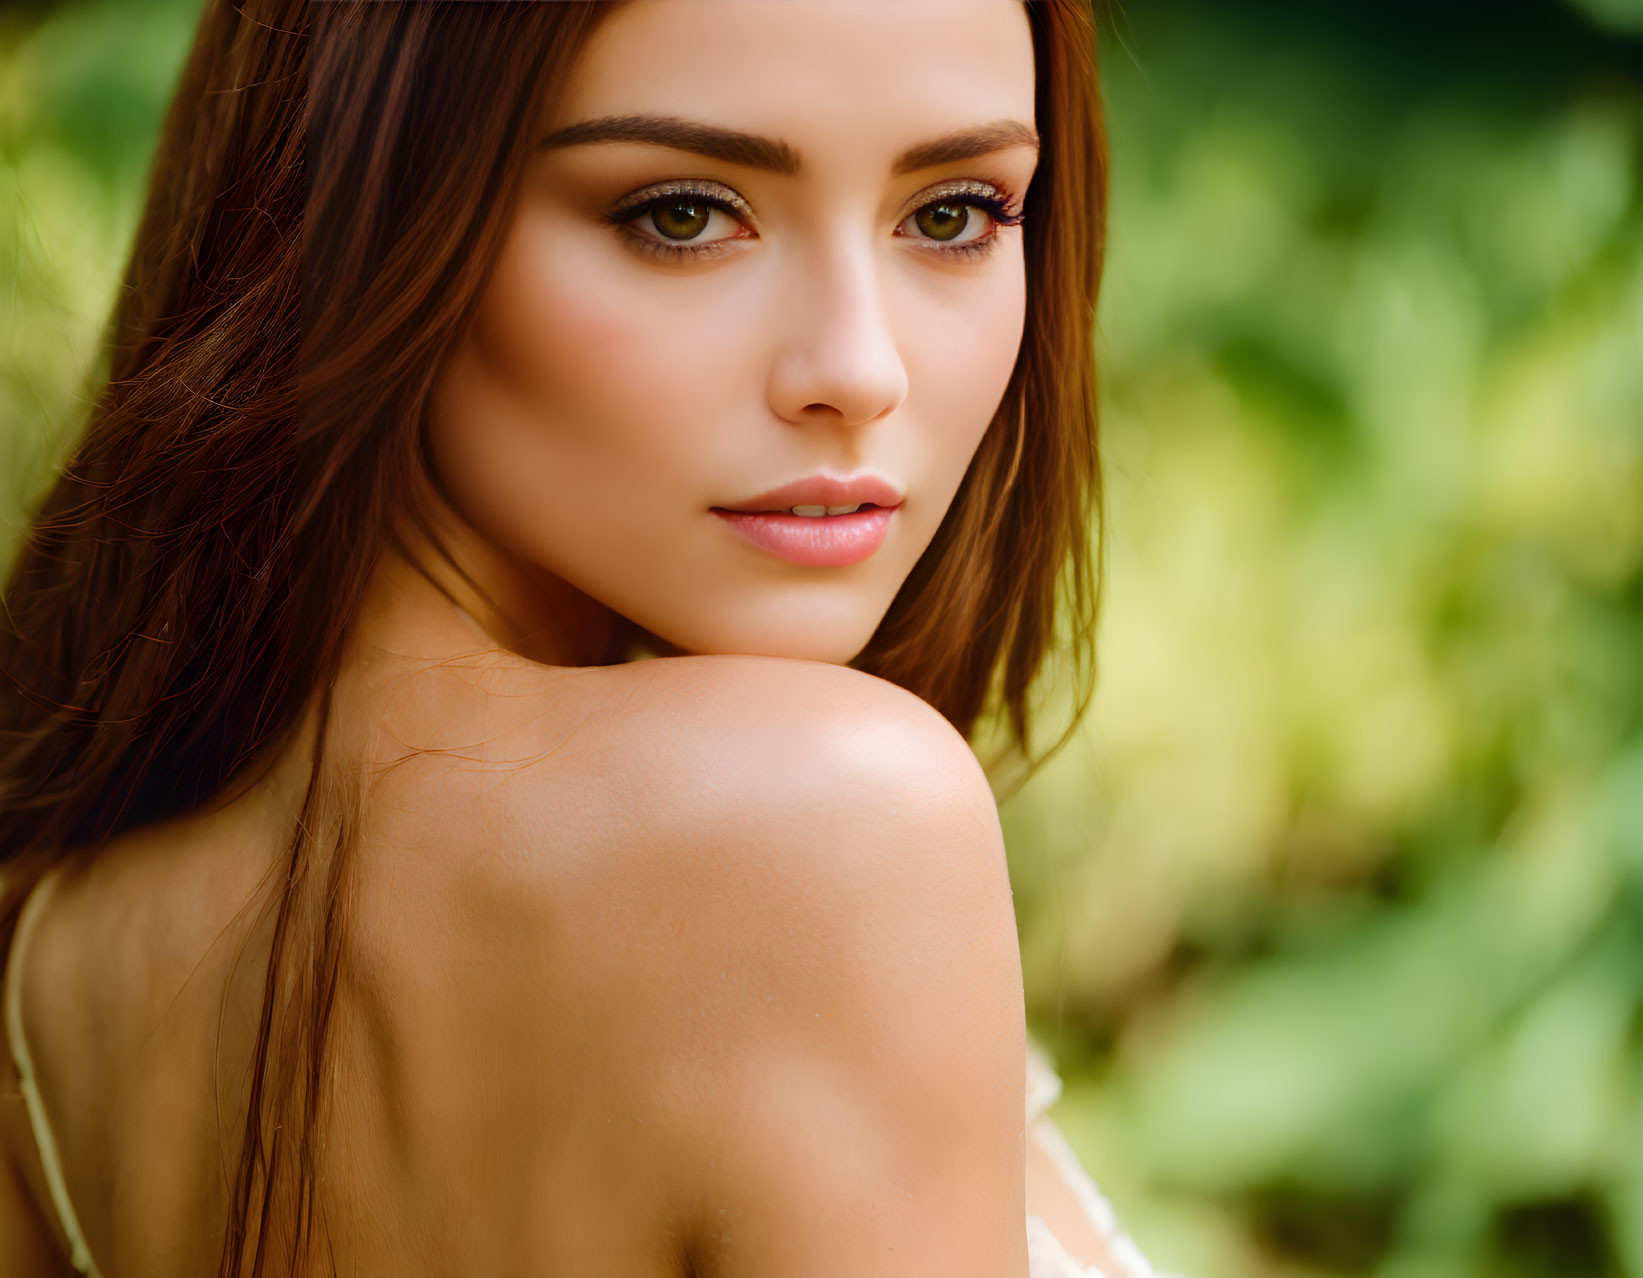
(680, 220)
(943, 221)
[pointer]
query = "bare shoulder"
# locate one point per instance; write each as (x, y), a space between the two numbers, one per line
(647, 817)
(607, 774)
(763, 713)
(770, 744)
(739, 907)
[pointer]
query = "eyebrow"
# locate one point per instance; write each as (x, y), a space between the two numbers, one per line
(772, 154)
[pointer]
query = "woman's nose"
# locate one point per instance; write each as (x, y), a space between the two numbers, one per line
(838, 360)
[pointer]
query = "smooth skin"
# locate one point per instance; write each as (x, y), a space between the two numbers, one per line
(606, 400)
(704, 964)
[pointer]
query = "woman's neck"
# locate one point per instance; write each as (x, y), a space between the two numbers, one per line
(441, 583)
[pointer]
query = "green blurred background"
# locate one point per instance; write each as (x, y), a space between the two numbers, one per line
(1332, 912)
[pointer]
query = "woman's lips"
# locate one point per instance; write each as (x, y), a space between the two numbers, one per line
(829, 541)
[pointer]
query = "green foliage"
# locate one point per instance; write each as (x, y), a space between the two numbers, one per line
(1622, 15)
(1332, 911)
(83, 88)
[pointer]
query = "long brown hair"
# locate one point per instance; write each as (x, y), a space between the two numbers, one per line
(331, 189)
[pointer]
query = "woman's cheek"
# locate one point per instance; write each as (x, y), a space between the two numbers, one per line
(573, 333)
(960, 352)
(614, 367)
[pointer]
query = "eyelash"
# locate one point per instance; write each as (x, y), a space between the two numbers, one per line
(991, 200)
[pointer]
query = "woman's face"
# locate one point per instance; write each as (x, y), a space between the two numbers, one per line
(763, 241)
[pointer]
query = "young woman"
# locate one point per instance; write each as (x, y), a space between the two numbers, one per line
(371, 907)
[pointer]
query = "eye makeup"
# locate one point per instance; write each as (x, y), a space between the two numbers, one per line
(629, 215)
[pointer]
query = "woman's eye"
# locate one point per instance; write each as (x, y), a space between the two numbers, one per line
(962, 224)
(945, 222)
(682, 224)
(690, 221)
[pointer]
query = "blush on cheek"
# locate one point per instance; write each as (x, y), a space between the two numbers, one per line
(597, 350)
(583, 422)
(551, 328)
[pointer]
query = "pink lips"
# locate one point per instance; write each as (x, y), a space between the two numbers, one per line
(818, 540)
(830, 541)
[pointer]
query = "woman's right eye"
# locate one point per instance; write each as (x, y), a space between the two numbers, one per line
(679, 224)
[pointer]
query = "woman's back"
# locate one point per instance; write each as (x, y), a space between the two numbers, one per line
(527, 1028)
(134, 1018)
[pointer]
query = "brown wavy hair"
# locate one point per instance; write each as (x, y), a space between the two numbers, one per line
(331, 189)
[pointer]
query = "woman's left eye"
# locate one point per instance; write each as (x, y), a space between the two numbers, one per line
(961, 223)
(679, 221)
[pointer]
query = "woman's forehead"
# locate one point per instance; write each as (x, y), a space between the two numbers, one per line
(825, 76)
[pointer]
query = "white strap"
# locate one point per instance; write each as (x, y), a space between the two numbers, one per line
(50, 1160)
(1043, 1089)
